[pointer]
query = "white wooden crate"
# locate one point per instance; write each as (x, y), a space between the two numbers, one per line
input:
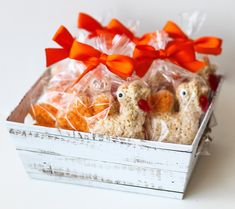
(141, 166)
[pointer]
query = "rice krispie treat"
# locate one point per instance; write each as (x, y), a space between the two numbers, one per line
(129, 120)
(209, 74)
(182, 126)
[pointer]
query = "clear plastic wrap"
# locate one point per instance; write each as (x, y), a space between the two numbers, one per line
(119, 44)
(192, 22)
(64, 74)
(73, 106)
(204, 46)
(178, 100)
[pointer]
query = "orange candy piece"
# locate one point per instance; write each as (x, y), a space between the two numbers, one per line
(74, 117)
(62, 122)
(44, 114)
(100, 104)
(162, 101)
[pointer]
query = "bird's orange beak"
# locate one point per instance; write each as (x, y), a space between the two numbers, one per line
(204, 103)
(143, 105)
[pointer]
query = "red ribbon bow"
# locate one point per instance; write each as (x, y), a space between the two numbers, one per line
(122, 66)
(114, 27)
(203, 45)
(181, 54)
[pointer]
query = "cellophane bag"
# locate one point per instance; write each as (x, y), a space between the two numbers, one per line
(56, 95)
(191, 23)
(99, 87)
(76, 105)
(178, 101)
(119, 44)
(116, 44)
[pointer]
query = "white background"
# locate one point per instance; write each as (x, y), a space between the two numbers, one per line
(26, 27)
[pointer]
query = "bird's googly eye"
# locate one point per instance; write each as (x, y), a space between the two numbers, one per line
(183, 93)
(120, 95)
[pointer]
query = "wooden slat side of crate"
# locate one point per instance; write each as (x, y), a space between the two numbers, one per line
(116, 152)
(77, 170)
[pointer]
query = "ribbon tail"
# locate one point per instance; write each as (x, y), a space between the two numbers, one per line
(193, 67)
(208, 45)
(54, 55)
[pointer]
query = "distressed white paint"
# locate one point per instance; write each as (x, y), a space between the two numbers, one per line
(108, 172)
(132, 154)
(118, 163)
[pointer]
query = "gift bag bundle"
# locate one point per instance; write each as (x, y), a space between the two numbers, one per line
(157, 86)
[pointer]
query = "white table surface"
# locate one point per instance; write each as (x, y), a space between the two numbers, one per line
(26, 27)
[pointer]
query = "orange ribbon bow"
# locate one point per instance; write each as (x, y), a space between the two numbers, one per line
(203, 45)
(114, 27)
(181, 54)
(122, 66)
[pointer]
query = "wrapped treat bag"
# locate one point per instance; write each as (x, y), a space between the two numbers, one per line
(62, 110)
(177, 105)
(178, 95)
(63, 73)
(99, 86)
(206, 45)
(119, 105)
(71, 109)
(88, 96)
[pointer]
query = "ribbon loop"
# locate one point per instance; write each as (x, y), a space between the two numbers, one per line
(203, 45)
(63, 37)
(65, 40)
